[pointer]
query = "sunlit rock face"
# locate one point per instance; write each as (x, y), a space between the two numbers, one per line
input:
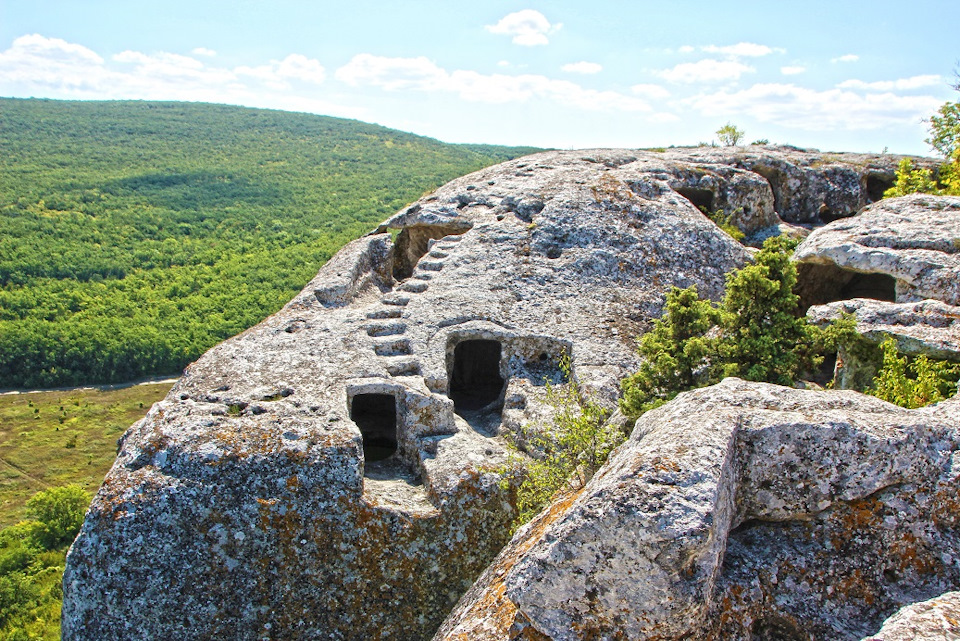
(332, 472)
(739, 511)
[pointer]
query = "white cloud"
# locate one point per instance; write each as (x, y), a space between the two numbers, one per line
(792, 70)
(582, 67)
(742, 49)
(39, 66)
(686, 49)
(529, 28)
(421, 74)
(203, 51)
(903, 84)
(503, 63)
(802, 108)
(707, 70)
(43, 62)
(392, 74)
(850, 57)
(650, 91)
(278, 73)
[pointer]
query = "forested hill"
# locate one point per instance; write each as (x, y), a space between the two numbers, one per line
(136, 235)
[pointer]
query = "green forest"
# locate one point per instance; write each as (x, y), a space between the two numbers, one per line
(136, 235)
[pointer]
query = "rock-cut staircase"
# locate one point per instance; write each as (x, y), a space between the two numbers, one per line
(386, 323)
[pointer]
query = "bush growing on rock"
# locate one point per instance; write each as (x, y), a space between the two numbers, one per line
(756, 334)
(729, 135)
(567, 452)
(915, 383)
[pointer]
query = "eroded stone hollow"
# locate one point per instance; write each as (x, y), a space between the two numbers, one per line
(876, 185)
(702, 199)
(475, 380)
(376, 416)
(413, 242)
(822, 284)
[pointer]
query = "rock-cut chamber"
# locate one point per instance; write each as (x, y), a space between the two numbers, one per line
(376, 416)
(475, 380)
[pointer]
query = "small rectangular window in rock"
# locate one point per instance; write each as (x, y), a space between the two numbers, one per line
(376, 416)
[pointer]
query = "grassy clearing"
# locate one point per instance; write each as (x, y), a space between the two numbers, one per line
(55, 438)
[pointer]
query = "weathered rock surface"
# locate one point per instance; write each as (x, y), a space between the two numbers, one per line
(935, 620)
(929, 327)
(328, 473)
(899, 250)
(739, 511)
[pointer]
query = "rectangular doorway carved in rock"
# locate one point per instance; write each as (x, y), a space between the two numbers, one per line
(475, 380)
(376, 416)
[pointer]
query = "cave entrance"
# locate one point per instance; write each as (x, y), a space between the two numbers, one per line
(475, 380)
(702, 199)
(876, 185)
(822, 284)
(376, 416)
(413, 242)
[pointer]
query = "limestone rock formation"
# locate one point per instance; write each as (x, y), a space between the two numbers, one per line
(331, 472)
(898, 250)
(743, 510)
(935, 620)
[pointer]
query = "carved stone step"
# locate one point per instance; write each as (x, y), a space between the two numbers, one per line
(393, 347)
(385, 329)
(430, 265)
(403, 366)
(436, 253)
(395, 299)
(385, 313)
(414, 286)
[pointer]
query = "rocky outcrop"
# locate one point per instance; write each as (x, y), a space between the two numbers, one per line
(935, 620)
(929, 327)
(899, 250)
(743, 510)
(331, 472)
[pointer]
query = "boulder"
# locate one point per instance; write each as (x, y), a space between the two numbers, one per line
(331, 472)
(897, 250)
(935, 620)
(743, 510)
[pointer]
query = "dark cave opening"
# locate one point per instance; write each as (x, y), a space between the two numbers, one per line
(475, 380)
(413, 242)
(702, 199)
(876, 185)
(376, 416)
(822, 284)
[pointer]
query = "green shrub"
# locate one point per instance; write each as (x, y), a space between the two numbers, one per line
(729, 135)
(757, 333)
(676, 353)
(59, 511)
(911, 181)
(913, 383)
(566, 453)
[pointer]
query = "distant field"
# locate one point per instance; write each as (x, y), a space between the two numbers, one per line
(56, 438)
(136, 235)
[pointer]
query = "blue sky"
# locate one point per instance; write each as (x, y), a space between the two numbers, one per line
(838, 75)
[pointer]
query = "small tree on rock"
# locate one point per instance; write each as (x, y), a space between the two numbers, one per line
(729, 135)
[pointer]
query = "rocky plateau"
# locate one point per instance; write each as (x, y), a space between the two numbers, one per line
(334, 472)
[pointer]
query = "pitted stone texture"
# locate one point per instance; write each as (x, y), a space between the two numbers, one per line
(927, 327)
(808, 186)
(913, 240)
(242, 506)
(743, 510)
(935, 620)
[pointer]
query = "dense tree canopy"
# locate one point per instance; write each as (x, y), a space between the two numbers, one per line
(135, 235)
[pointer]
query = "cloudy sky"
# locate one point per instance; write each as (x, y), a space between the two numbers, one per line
(843, 75)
